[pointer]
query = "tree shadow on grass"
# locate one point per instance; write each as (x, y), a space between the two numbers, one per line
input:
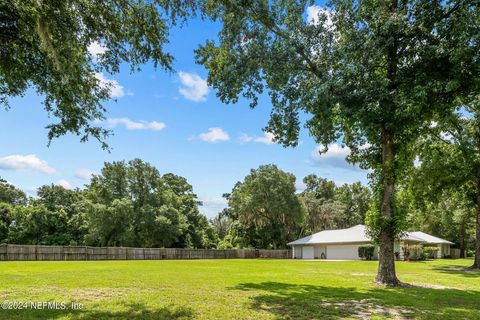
(300, 301)
(459, 269)
(133, 311)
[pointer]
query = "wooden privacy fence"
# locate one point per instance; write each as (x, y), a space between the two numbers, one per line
(455, 253)
(15, 252)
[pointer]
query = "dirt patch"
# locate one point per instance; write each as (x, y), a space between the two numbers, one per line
(416, 285)
(430, 286)
(367, 308)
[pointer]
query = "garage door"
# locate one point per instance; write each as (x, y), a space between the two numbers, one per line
(343, 252)
(307, 252)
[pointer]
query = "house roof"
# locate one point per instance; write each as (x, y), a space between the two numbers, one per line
(353, 234)
(357, 234)
(427, 238)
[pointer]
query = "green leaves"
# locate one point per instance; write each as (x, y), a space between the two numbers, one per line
(266, 208)
(44, 46)
(147, 209)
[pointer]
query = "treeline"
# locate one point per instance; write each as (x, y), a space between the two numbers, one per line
(132, 204)
(127, 204)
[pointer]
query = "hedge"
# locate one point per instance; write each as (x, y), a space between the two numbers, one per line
(366, 252)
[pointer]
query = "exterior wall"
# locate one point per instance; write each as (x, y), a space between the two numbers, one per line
(308, 252)
(343, 252)
(440, 251)
(297, 252)
(320, 252)
(331, 251)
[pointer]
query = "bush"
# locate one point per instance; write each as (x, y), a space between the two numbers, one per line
(431, 252)
(470, 253)
(417, 253)
(366, 252)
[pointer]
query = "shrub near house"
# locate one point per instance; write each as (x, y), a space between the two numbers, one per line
(431, 252)
(366, 252)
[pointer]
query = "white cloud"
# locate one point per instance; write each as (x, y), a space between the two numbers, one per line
(214, 135)
(64, 183)
(300, 185)
(136, 125)
(116, 90)
(212, 206)
(193, 86)
(446, 136)
(245, 138)
(334, 157)
(27, 162)
(96, 48)
(417, 163)
(84, 174)
(267, 138)
(313, 15)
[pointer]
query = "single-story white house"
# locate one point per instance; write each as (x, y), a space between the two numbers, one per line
(343, 244)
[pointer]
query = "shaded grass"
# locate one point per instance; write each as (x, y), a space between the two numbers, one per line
(240, 289)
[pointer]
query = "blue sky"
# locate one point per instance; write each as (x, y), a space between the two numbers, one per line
(171, 120)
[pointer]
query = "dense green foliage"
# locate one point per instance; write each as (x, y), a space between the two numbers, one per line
(450, 158)
(128, 204)
(327, 206)
(44, 46)
(131, 204)
(240, 289)
(11, 195)
(265, 209)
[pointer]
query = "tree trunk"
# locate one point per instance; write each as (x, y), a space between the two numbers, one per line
(386, 258)
(476, 263)
(462, 238)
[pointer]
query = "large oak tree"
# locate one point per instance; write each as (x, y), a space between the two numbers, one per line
(266, 208)
(370, 73)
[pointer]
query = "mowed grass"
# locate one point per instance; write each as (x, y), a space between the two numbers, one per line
(240, 289)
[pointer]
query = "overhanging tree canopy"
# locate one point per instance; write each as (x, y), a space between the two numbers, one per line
(43, 45)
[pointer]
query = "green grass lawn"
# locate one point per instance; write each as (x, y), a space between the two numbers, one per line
(240, 289)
